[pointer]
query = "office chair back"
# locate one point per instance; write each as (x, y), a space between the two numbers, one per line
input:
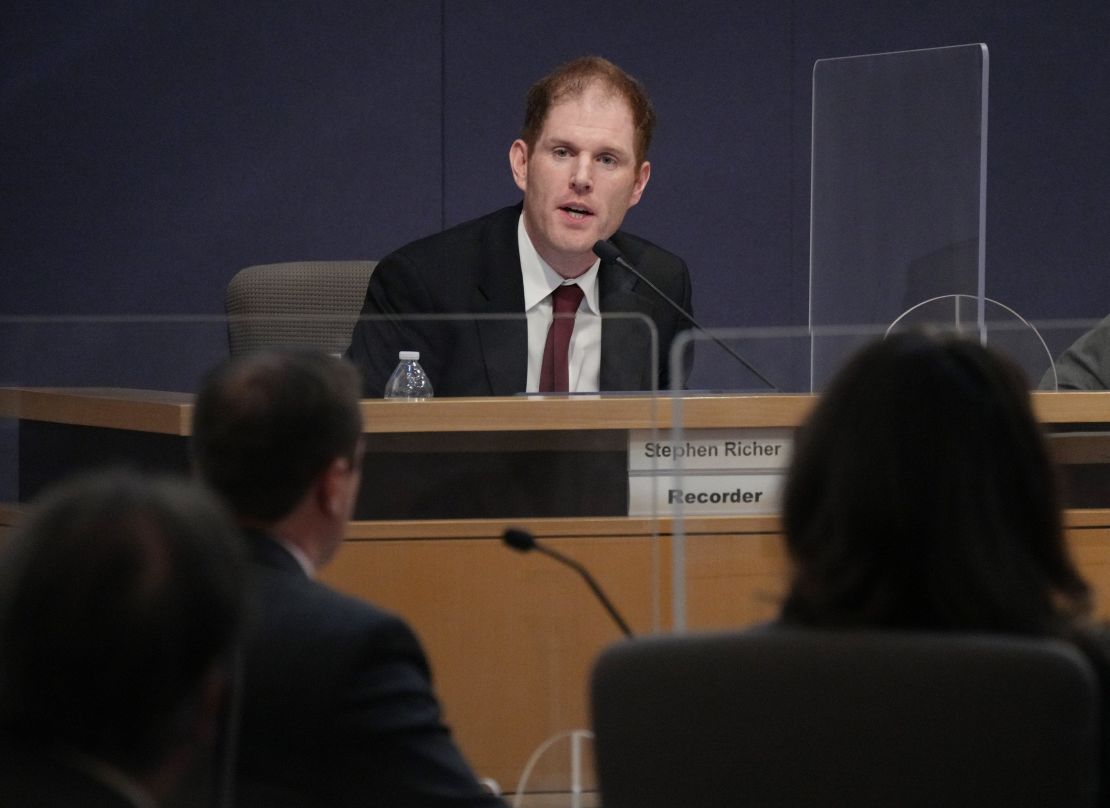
(817, 719)
(306, 304)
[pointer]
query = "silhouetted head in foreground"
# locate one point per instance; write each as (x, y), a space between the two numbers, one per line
(921, 495)
(120, 601)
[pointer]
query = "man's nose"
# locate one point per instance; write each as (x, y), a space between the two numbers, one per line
(582, 178)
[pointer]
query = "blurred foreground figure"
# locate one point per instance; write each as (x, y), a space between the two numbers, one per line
(338, 708)
(120, 602)
(922, 496)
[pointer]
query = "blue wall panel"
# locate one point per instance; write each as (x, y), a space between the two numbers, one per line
(719, 77)
(150, 149)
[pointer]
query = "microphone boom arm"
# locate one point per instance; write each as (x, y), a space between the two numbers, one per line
(524, 542)
(589, 579)
(606, 250)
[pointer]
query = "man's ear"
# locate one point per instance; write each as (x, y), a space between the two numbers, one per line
(331, 487)
(518, 162)
(643, 174)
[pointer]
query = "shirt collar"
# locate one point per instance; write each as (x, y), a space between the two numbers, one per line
(540, 279)
(298, 556)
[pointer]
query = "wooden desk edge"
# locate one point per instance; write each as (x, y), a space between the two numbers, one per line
(154, 411)
(171, 413)
(614, 526)
(578, 527)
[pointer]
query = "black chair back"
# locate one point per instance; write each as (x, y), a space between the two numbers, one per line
(815, 719)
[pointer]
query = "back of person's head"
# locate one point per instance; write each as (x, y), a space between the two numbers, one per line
(569, 81)
(120, 602)
(268, 424)
(921, 495)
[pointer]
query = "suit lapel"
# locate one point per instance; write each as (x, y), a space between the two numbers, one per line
(627, 348)
(499, 290)
(626, 344)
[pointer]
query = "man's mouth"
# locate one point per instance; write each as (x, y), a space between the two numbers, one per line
(576, 211)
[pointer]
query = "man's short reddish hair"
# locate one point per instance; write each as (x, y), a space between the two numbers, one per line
(571, 80)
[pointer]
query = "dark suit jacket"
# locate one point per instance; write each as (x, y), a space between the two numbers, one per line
(1086, 364)
(474, 269)
(337, 703)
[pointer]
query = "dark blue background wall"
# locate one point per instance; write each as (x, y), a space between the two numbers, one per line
(150, 149)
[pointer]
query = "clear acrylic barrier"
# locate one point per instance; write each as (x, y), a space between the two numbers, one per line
(727, 564)
(732, 466)
(748, 361)
(898, 190)
(164, 354)
(781, 355)
(565, 762)
(992, 323)
(510, 638)
(575, 451)
(485, 354)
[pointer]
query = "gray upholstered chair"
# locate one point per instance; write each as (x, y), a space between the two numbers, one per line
(311, 304)
(779, 718)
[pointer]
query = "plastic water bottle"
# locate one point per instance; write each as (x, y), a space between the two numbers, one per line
(409, 382)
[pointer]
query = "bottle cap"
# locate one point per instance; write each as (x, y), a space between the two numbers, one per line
(406, 356)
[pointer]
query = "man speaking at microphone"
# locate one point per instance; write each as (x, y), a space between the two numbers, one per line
(520, 290)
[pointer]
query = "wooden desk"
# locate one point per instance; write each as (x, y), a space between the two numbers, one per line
(511, 638)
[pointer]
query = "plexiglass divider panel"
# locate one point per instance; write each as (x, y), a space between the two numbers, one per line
(897, 216)
(73, 362)
(511, 638)
(992, 323)
(729, 450)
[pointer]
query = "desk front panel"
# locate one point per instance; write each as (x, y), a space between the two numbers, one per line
(512, 638)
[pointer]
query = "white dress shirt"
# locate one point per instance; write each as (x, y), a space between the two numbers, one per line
(540, 280)
(298, 556)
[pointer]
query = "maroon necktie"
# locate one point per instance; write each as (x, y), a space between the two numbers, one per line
(554, 372)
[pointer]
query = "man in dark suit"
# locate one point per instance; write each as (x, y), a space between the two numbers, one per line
(478, 297)
(120, 601)
(337, 703)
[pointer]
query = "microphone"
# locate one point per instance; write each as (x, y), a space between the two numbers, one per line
(521, 540)
(608, 251)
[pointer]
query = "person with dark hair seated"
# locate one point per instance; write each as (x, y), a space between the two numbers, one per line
(337, 700)
(120, 603)
(921, 496)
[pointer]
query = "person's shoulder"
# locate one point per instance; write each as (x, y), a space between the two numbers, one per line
(308, 600)
(304, 625)
(646, 255)
(471, 234)
(357, 608)
(1085, 365)
(288, 597)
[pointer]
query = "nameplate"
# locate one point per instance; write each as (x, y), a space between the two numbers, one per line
(707, 471)
(709, 449)
(703, 494)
